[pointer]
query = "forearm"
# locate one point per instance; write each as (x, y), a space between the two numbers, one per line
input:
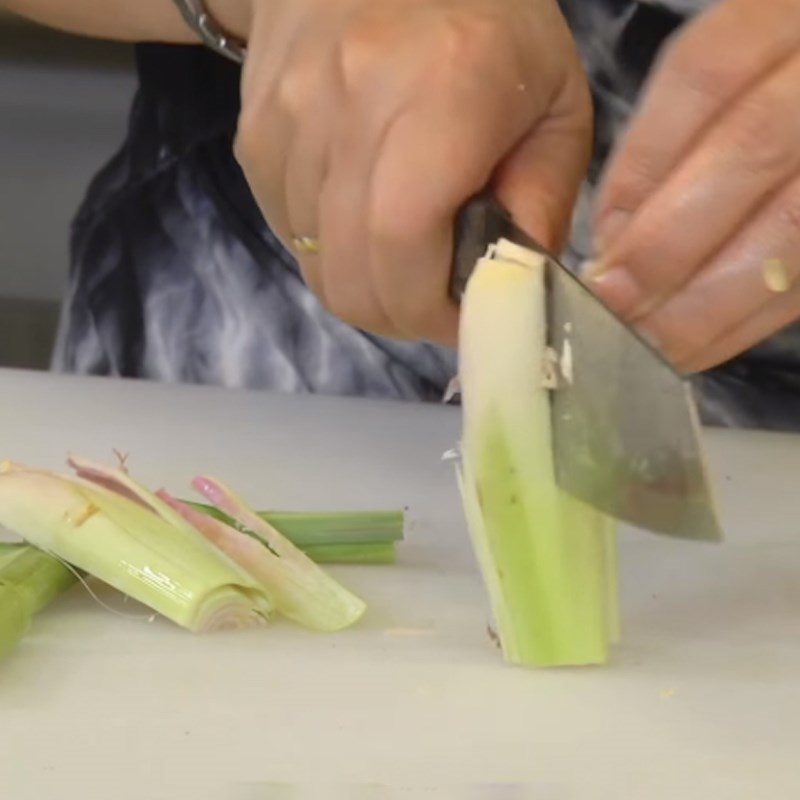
(127, 20)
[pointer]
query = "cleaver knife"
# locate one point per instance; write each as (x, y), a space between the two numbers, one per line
(625, 428)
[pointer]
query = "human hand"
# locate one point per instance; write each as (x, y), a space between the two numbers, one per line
(698, 217)
(366, 124)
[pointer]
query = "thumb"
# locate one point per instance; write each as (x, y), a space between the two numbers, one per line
(539, 181)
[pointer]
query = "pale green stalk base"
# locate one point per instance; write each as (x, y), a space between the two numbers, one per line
(153, 554)
(160, 561)
(547, 559)
(8, 550)
(29, 581)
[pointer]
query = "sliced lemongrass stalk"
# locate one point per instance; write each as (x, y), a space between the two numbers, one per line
(132, 541)
(9, 550)
(547, 559)
(337, 527)
(29, 581)
(321, 528)
(362, 537)
(367, 553)
(303, 592)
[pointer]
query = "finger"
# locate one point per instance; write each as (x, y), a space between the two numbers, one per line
(261, 149)
(436, 154)
(348, 287)
(356, 135)
(782, 311)
(540, 180)
(720, 56)
(306, 168)
(750, 152)
(265, 128)
(309, 95)
(376, 69)
(741, 281)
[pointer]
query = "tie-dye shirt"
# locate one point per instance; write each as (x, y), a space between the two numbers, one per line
(176, 277)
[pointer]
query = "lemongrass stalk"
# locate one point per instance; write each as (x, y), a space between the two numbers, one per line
(338, 527)
(29, 581)
(9, 550)
(303, 592)
(332, 537)
(112, 528)
(367, 553)
(547, 559)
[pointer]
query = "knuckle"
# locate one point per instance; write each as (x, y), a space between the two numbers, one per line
(296, 88)
(707, 78)
(386, 229)
(466, 41)
(652, 258)
(452, 43)
(352, 313)
(788, 210)
(687, 61)
(413, 319)
(343, 300)
(362, 47)
(469, 33)
(761, 144)
(681, 342)
(394, 218)
(415, 314)
(634, 178)
(339, 303)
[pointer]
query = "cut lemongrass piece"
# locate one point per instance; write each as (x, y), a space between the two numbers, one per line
(303, 592)
(309, 528)
(29, 581)
(547, 559)
(367, 553)
(128, 540)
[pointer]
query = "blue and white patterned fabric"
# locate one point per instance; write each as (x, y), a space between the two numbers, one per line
(176, 277)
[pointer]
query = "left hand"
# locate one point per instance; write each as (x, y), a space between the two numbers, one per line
(698, 218)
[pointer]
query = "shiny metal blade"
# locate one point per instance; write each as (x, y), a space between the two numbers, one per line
(625, 428)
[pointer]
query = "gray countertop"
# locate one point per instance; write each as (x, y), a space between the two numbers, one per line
(701, 700)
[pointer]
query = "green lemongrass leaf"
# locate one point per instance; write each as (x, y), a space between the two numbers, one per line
(360, 537)
(325, 527)
(367, 553)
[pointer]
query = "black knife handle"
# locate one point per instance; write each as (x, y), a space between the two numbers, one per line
(481, 222)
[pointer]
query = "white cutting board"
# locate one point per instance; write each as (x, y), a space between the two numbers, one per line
(702, 700)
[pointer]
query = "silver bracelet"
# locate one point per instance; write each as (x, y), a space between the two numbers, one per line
(206, 27)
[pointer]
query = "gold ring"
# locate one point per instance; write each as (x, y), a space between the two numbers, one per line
(306, 244)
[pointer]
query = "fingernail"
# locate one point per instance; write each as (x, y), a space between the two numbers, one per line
(618, 289)
(776, 275)
(591, 269)
(609, 228)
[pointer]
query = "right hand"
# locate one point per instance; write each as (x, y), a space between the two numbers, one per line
(368, 123)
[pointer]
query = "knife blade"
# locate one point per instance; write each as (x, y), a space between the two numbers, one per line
(625, 428)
